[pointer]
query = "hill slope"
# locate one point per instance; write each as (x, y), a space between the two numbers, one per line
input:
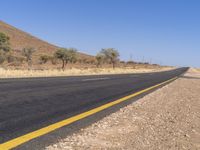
(20, 39)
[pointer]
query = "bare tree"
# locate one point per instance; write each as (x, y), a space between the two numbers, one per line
(28, 53)
(111, 54)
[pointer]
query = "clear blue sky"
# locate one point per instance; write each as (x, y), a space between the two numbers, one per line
(160, 31)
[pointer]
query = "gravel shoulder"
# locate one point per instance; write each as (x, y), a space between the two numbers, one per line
(168, 118)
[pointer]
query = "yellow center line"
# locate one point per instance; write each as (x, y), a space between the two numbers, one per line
(32, 135)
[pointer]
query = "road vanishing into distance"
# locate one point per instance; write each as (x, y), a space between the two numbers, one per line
(30, 104)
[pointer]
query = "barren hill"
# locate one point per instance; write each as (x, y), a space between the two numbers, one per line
(20, 39)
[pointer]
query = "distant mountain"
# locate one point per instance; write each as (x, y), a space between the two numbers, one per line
(20, 39)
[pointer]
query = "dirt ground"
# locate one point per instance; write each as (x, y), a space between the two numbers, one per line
(168, 118)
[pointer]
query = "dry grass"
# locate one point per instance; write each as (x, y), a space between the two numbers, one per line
(8, 73)
(195, 70)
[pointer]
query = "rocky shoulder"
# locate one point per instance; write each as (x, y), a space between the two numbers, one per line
(168, 118)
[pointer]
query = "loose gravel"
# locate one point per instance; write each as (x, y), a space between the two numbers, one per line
(168, 118)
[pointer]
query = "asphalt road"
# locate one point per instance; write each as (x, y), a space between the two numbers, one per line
(30, 104)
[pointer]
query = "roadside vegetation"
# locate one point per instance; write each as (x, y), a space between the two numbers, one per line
(4, 47)
(107, 60)
(28, 54)
(111, 56)
(66, 55)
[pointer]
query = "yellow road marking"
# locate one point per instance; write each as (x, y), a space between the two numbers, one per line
(27, 137)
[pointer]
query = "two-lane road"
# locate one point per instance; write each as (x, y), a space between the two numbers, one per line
(30, 104)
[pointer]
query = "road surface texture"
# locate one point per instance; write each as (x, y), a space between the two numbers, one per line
(32, 103)
(168, 118)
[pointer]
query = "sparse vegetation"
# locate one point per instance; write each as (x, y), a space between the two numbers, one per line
(66, 55)
(28, 53)
(17, 56)
(10, 58)
(111, 55)
(2, 57)
(4, 42)
(5, 50)
(53, 60)
(100, 58)
(20, 59)
(44, 59)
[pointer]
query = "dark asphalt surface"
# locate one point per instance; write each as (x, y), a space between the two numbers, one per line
(33, 103)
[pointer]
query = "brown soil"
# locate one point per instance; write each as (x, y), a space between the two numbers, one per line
(20, 39)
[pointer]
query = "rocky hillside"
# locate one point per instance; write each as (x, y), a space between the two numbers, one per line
(20, 39)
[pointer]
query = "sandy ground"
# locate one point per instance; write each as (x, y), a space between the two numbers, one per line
(75, 72)
(168, 118)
